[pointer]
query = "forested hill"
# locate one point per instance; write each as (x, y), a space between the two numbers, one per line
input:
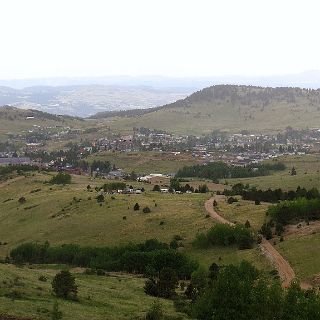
(229, 107)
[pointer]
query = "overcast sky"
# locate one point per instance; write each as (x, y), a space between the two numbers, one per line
(49, 38)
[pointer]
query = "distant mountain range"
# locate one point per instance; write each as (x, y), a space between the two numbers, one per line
(89, 95)
(308, 79)
(85, 100)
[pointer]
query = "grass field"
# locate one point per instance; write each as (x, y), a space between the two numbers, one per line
(100, 297)
(303, 254)
(146, 162)
(241, 211)
(308, 174)
(56, 213)
(231, 255)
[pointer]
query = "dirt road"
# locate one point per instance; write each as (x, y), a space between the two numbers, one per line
(285, 271)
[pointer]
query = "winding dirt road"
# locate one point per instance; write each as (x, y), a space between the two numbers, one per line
(285, 271)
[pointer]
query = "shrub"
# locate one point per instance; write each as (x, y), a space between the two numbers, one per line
(156, 188)
(174, 244)
(225, 235)
(100, 198)
(146, 210)
(232, 200)
(164, 286)
(203, 188)
(155, 312)
(151, 288)
(22, 200)
(64, 285)
(61, 178)
(100, 272)
(136, 207)
(266, 231)
(43, 279)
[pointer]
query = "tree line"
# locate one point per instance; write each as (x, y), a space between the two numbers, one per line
(272, 196)
(221, 170)
(146, 258)
(287, 212)
(19, 168)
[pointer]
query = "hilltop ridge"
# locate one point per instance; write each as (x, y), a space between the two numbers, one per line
(228, 107)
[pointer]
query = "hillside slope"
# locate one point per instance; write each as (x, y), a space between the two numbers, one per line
(228, 107)
(17, 121)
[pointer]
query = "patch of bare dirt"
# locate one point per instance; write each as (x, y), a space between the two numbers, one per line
(302, 229)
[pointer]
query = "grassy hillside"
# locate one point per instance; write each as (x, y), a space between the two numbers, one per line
(308, 174)
(71, 214)
(231, 108)
(14, 121)
(100, 297)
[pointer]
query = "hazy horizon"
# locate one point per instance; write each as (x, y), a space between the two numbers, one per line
(82, 38)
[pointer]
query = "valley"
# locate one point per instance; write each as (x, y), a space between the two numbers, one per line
(114, 200)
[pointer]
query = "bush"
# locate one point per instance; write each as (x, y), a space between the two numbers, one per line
(155, 312)
(61, 178)
(136, 207)
(64, 285)
(146, 210)
(22, 200)
(151, 287)
(203, 188)
(266, 231)
(232, 200)
(43, 279)
(164, 286)
(100, 272)
(100, 198)
(225, 235)
(156, 188)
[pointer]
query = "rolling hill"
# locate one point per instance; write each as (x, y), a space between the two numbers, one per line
(227, 107)
(16, 121)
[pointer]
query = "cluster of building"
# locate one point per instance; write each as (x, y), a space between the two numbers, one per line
(238, 149)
